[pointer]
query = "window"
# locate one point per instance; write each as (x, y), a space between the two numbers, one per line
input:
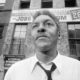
(71, 31)
(20, 31)
(70, 3)
(74, 38)
(24, 4)
(47, 4)
(17, 46)
(1, 31)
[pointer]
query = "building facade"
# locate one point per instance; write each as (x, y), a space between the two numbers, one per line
(17, 40)
(5, 12)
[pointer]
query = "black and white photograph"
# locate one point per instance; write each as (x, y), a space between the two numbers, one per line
(39, 39)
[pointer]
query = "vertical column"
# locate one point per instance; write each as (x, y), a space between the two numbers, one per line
(63, 44)
(35, 4)
(78, 3)
(8, 38)
(6, 46)
(9, 33)
(58, 3)
(16, 4)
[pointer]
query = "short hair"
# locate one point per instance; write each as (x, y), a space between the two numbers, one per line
(46, 12)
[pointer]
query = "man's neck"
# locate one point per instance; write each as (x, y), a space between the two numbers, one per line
(46, 56)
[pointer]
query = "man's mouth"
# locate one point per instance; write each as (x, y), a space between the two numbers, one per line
(42, 37)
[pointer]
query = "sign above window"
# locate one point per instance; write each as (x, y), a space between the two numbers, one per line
(2, 2)
(63, 14)
(20, 16)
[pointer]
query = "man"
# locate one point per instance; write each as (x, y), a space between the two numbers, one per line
(45, 32)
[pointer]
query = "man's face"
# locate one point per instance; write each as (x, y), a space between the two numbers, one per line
(45, 32)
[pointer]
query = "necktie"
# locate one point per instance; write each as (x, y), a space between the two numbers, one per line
(48, 72)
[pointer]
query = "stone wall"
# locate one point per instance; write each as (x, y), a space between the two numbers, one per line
(63, 44)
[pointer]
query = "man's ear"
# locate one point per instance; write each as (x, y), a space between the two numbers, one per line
(59, 35)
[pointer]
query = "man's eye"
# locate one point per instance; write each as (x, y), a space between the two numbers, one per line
(35, 25)
(49, 24)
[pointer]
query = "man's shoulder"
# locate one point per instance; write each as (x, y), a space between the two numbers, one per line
(23, 63)
(69, 60)
(19, 68)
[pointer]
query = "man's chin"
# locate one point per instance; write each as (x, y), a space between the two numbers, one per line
(42, 47)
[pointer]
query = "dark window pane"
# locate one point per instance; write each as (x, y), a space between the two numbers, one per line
(78, 49)
(77, 33)
(15, 46)
(70, 3)
(47, 4)
(24, 4)
(72, 41)
(71, 31)
(73, 49)
(1, 31)
(77, 41)
(71, 34)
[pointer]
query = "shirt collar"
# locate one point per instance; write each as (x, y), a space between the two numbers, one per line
(57, 62)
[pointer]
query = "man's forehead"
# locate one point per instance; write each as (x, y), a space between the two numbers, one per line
(42, 18)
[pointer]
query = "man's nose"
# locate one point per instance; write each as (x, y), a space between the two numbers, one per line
(41, 30)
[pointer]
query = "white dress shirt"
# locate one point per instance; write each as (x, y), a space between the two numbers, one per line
(27, 69)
